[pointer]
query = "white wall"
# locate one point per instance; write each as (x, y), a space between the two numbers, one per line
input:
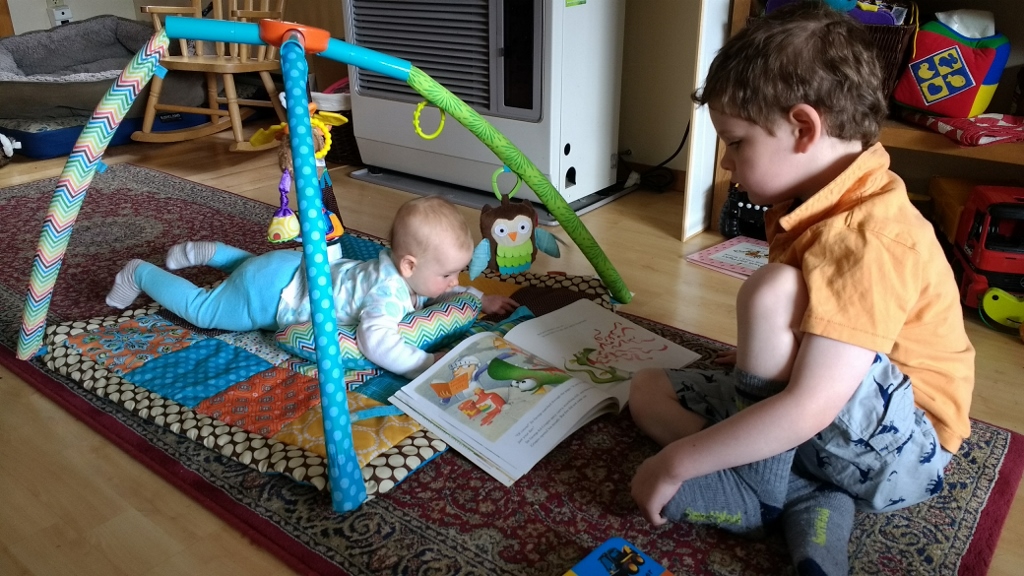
(659, 54)
(28, 15)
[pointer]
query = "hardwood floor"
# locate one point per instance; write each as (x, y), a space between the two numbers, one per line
(73, 503)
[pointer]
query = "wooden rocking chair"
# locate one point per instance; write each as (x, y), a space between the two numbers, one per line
(219, 65)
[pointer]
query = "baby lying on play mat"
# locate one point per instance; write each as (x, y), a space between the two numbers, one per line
(430, 245)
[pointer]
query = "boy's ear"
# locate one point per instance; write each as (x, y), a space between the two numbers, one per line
(806, 123)
(406, 265)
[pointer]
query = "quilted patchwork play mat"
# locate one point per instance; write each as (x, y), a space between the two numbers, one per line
(244, 396)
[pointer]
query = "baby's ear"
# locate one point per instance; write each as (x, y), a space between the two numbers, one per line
(406, 265)
(807, 125)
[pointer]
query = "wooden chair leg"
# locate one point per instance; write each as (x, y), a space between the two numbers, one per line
(232, 99)
(211, 95)
(268, 83)
(154, 98)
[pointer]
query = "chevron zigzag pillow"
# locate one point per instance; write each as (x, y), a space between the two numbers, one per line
(429, 329)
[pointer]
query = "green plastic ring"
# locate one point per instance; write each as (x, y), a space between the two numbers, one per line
(494, 182)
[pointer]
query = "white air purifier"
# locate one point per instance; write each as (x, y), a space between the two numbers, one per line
(546, 73)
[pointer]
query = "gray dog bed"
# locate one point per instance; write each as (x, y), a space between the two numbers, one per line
(65, 71)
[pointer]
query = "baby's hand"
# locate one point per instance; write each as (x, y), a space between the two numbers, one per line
(495, 304)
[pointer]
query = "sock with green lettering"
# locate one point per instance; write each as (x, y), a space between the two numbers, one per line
(817, 521)
(740, 500)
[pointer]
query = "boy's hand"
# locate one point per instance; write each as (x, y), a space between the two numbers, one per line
(495, 304)
(726, 357)
(652, 489)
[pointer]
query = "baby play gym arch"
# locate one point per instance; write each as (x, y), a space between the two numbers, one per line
(295, 41)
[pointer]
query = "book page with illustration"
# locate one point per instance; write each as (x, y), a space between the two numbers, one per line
(506, 402)
(598, 346)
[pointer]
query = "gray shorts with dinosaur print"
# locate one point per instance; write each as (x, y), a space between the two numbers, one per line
(881, 448)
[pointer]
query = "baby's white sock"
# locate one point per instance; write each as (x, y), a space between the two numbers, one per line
(125, 290)
(188, 254)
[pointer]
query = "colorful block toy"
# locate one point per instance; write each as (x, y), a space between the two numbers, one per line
(617, 557)
(951, 75)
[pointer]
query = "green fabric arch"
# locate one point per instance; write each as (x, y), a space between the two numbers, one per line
(521, 165)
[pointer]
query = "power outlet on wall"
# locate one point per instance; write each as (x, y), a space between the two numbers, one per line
(54, 3)
(59, 15)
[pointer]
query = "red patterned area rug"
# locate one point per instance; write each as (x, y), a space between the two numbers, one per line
(449, 517)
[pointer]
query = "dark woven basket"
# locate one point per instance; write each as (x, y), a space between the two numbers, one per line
(893, 43)
(1017, 102)
(343, 144)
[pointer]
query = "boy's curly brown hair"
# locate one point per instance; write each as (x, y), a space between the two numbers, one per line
(804, 53)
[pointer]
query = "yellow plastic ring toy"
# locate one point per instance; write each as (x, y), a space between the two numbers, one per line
(317, 123)
(416, 122)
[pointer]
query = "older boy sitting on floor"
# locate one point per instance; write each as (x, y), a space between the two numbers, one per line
(853, 373)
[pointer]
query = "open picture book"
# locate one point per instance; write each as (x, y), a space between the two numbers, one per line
(506, 401)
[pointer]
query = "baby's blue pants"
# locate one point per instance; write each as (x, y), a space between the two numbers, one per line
(246, 300)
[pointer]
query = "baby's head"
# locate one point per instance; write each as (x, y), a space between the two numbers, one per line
(804, 53)
(431, 244)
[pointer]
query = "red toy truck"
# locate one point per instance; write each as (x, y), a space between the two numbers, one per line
(989, 247)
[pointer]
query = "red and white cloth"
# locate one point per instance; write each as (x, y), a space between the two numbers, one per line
(980, 130)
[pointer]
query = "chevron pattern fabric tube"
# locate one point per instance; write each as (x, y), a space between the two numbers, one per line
(74, 183)
(428, 329)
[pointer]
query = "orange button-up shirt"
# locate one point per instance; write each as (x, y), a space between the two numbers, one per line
(877, 278)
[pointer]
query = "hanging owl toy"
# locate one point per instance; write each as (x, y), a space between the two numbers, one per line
(510, 233)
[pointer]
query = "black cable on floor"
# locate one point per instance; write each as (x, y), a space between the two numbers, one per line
(659, 178)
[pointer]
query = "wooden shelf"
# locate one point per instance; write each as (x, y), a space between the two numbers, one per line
(898, 135)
